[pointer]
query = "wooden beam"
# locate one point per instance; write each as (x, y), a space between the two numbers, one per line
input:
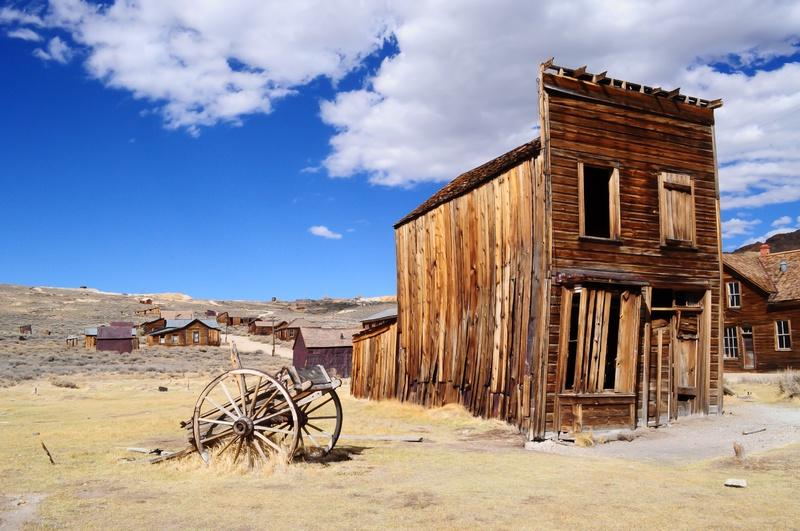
(596, 78)
(673, 93)
(578, 72)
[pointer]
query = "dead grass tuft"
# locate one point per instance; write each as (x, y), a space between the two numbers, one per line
(63, 382)
(584, 439)
(789, 383)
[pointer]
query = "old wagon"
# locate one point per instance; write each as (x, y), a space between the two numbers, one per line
(248, 415)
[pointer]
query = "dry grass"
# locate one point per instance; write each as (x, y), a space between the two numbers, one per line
(789, 384)
(467, 473)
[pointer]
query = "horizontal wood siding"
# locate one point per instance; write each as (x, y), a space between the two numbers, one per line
(464, 273)
(592, 125)
(761, 316)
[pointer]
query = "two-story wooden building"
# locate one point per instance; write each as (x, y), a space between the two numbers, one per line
(762, 311)
(574, 282)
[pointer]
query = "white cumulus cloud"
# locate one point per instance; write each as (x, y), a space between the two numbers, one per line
(782, 221)
(324, 232)
(57, 50)
(738, 227)
(24, 34)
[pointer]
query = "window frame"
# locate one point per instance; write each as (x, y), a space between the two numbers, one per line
(663, 186)
(162, 340)
(787, 334)
(175, 339)
(728, 294)
(195, 336)
(614, 222)
(726, 343)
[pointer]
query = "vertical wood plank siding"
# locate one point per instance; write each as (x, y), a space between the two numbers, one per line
(464, 279)
(375, 366)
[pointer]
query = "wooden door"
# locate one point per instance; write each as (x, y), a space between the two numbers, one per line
(748, 347)
(660, 363)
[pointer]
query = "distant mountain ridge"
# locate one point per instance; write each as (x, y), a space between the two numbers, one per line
(787, 241)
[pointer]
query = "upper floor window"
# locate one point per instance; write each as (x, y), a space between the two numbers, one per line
(731, 343)
(598, 188)
(676, 209)
(734, 290)
(783, 335)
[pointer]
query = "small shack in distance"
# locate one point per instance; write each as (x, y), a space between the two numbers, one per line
(117, 339)
(330, 347)
(264, 327)
(389, 315)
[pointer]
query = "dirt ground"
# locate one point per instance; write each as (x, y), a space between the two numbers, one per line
(88, 407)
(467, 472)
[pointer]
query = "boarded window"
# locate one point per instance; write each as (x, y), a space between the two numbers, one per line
(783, 335)
(598, 187)
(731, 343)
(676, 208)
(734, 290)
(599, 344)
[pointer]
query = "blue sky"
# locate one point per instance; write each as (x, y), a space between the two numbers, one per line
(152, 147)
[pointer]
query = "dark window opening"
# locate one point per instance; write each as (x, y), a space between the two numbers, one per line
(662, 298)
(596, 201)
(572, 351)
(611, 344)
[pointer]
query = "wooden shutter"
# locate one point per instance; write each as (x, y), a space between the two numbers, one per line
(627, 343)
(676, 208)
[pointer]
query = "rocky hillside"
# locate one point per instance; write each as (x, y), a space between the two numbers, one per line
(780, 242)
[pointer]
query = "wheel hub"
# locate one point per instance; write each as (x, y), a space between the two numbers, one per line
(243, 426)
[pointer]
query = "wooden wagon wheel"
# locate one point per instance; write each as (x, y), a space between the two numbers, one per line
(320, 424)
(246, 412)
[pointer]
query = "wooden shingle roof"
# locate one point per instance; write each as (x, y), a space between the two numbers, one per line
(767, 273)
(474, 178)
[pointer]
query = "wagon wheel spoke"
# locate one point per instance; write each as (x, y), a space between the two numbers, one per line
(321, 425)
(308, 433)
(260, 451)
(273, 430)
(323, 432)
(317, 407)
(269, 443)
(215, 421)
(231, 400)
(228, 445)
(221, 408)
(238, 449)
(255, 397)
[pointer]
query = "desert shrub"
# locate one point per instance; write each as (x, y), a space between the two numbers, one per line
(63, 382)
(789, 384)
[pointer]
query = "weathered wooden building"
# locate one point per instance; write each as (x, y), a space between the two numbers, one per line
(378, 319)
(90, 337)
(185, 333)
(116, 338)
(289, 331)
(330, 347)
(264, 328)
(154, 310)
(762, 311)
(574, 282)
(72, 341)
(235, 318)
(374, 372)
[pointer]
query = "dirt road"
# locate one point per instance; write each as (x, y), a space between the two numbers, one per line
(246, 345)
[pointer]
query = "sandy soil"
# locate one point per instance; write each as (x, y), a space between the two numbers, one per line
(246, 344)
(700, 437)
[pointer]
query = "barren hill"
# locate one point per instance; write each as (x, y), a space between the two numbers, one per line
(787, 241)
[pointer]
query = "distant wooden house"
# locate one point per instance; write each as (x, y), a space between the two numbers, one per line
(72, 341)
(572, 283)
(264, 328)
(26, 329)
(235, 318)
(211, 313)
(153, 325)
(128, 324)
(185, 333)
(177, 314)
(289, 331)
(762, 310)
(155, 310)
(116, 338)
(146, 300)
(380, 318)
(330, 347)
